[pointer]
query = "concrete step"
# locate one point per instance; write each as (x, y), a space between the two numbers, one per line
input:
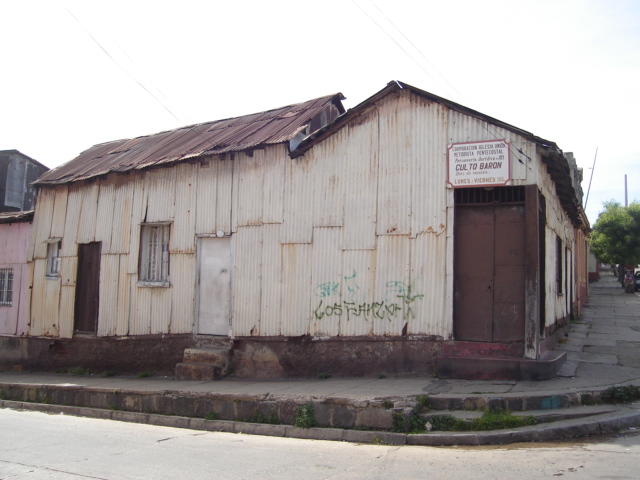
(542, 416)
(210, 355)
(483, 349)
(482, 367)
(198, 371)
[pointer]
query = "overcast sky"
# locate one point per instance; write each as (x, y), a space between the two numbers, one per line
(77, 73)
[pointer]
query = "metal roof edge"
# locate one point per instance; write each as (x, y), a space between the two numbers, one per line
(16, 217)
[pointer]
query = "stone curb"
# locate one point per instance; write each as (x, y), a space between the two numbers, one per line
(600, 424)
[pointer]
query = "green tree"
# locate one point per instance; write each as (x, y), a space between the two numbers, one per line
(616, 234)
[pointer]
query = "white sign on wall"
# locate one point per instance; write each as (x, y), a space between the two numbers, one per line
(479, 164)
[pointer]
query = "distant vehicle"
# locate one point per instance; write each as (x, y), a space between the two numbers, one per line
(637, 278)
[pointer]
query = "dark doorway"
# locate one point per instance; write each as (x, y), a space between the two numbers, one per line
(87, 288)
(489, 269)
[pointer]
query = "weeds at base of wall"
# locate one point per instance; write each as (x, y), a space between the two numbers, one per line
(212, 416)
(77, 371)
(258, 417)
(305, 417)
(143, 375)
(490, 420)
(387, 404)
(621, 394)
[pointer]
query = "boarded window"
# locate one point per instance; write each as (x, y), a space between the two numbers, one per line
(154, 254)
(6, 287)
(53, 258)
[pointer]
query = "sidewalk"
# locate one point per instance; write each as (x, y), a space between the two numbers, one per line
(603, 350)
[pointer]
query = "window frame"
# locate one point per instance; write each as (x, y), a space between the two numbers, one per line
(6, 286)
(154, 263)
(54, 249)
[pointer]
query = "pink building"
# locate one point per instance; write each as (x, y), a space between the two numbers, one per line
(15, 228)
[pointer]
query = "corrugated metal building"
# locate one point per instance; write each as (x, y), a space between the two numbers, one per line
(313, 240)
(15, 229)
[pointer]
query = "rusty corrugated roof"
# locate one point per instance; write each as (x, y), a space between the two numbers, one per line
(230, 135)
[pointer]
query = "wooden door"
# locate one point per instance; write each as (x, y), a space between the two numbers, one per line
(489, 273)
(87, 288)
(214, 288)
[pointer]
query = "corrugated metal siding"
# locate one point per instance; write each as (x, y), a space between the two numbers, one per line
(329, 183)
(141, 320)
(68, 270)
(296, 291)
(206, 199)
(392, 285)
(357, 288)
(36, 326)
(88, 214)
(66, 312)
(138, 209)
(183, 268)
(59, 212)
(275, 160)
(160, 187)
(271, 311)
(184, 228)
(106, 211)
(74, 206)
(124, 291)
(50, 320)
(361, 182)
(42, 222)
(120, 237)
(250, 188)
(109, 288)
(429, 140)
(160, 310)
(395, 167)
(298, 201)
(326, 278)
(428, 286)
(247, 281)
(224, 199)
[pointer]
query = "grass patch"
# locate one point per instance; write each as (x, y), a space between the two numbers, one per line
(78, 371)
(621, 394)
(425, 403)
(143, 375)
(258, 417)
(387, 404)
(305, 417)
(109, 373)
(588, 400)
(490, 420)
(324, 376)
(212, 416)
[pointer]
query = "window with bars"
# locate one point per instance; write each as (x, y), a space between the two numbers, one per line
(154, 254)
(6, 287)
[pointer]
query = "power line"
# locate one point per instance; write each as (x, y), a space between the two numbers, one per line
(124, 69)
(401, 48)
(417, 49)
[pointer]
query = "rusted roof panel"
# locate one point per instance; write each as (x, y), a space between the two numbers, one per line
(222, 136)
